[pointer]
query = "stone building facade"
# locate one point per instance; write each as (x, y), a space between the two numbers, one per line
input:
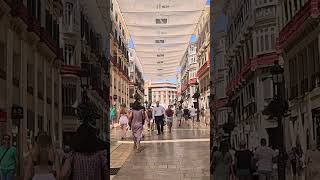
(203, 57)
(30, 62)
(119, 51)
(189, 74)
(250, 52)
(83, 37)
(136, 79)
(299, 40)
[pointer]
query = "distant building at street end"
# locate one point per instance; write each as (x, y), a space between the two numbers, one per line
(164, 92)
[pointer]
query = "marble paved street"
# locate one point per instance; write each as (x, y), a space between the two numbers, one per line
(183, 154)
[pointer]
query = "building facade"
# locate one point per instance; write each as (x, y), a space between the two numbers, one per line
(250, 51)
(188, 75)
(164, 92)
(119, 52)
(299, 40)
(219, 106)
(203, 57)
(84, 50)
(30, 64)
(136, 80)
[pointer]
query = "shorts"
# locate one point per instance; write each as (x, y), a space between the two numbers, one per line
(265, 173)
(243, 172)
(123, 120)
(170, 119)
(186, 116)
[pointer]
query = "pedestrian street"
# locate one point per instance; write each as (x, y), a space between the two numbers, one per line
(182, 154)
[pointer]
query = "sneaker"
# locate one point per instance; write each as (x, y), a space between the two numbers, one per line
(148, 129)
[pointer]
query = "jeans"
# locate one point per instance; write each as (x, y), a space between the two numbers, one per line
(159, 122)
(7, 174)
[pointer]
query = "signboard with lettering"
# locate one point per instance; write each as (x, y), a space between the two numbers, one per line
(17, 112)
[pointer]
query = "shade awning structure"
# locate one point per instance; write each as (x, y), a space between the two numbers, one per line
(160, 31)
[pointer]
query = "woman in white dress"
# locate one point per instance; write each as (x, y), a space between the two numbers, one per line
(123, 119)
(193, 114)
(42, 162)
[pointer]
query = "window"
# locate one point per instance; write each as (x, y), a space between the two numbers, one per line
(68, 54)
(3, 60)
(160, 55)
(160, 62)
(267, 42)
(162, 21)
(68, 13)
(69, 98)
(258, 44)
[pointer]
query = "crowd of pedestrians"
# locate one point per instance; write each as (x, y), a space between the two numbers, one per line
(84, 159)
(261, 163)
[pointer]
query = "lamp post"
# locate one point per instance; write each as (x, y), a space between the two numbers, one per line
(276, 109)
(196, 96)
(84, 80)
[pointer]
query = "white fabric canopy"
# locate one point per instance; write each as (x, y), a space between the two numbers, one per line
(160, 30)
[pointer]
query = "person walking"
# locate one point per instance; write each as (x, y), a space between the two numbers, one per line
(150, 119)
(264, 156)
(221, 163)
(136, 120)
(169, 114)
(8, 159)
(43, 160)
(193, 114)
(158, 116)
(186, 115)
(123, 120)
(87, 161)
(179, 115)
(243, 162)
(112, 115)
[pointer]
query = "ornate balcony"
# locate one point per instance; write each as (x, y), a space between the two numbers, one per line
(252, 65)
(46, 38)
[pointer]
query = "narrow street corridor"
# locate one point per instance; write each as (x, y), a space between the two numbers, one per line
(181, 154)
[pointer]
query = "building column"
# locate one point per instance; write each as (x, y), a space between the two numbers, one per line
(60, 109)
(53, 121)
(9, 79)
(23, 103)
(45, 119)
(35, 94)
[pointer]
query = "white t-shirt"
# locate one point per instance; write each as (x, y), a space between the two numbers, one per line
(158, 111)
(192, 111)
(264, 156)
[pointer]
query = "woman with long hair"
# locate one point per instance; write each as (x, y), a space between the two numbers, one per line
(42, 162)
(123, 120)
(136, 120)
(179, 115)
(87, 161)
(222, 161)
(169, 114)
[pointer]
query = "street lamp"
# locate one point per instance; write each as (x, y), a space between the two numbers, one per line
(276, 109)
(196, 96)
(84, 80)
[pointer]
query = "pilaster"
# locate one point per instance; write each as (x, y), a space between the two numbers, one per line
(9, 79)
(45, 119)
(53, 120)
(35, 96)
